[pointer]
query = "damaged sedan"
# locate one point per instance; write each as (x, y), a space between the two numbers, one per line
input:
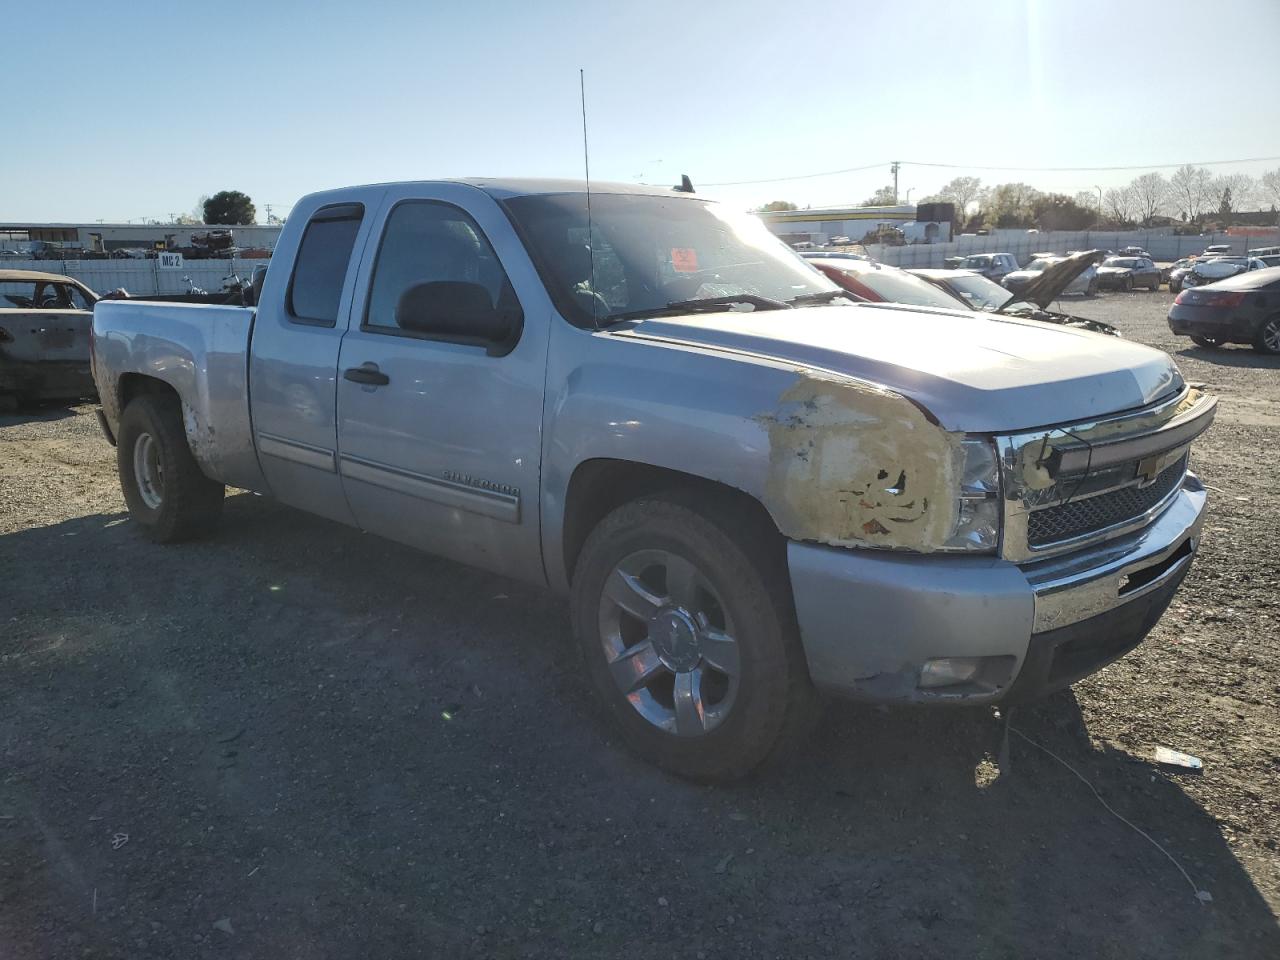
(45, 321)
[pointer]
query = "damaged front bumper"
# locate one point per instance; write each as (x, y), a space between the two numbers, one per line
(888, 627)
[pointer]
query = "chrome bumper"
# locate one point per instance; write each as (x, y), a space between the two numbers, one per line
(870, 621)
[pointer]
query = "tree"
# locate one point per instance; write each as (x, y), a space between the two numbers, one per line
(188, 220)
(1148, 193)
(1189, 191)
(1119, 203)
(1270, 185)
(884, 197)
(230, 207)
(962, 191)
(1010, 205)
(1088, 198)
(1057, 211)
(1234, 192)
(778, 205)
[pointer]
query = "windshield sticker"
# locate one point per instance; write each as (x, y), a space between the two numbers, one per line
(684, 259)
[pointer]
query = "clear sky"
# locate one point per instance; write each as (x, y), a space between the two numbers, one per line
(121, 110)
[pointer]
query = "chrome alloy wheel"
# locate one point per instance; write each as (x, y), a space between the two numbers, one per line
(1271, 335)
(147, 472)
(669, 642)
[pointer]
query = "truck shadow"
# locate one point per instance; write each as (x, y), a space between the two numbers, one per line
(46, 411)
(377, 727)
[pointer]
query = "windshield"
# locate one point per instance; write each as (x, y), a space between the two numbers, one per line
(979, 292)
(1120, 262)
(879, 283)
(647, 252)
(1038, 266)
(977, 262)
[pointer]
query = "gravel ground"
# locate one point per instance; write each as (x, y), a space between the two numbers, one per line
(293, 740)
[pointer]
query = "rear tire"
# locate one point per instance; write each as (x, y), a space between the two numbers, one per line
(167, 494)
(1268, 339)
(675, 598)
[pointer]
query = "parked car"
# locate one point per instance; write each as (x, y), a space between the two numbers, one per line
(1244, 308)
(1217, 250)
(1271, 260)
(1264, 252)
(1178, 271)
(856, 497)
(44, 337)
(871, 282)
(993, 266)
(1134, 252)
(1219, 268)
(1085, 284)
(978, 293)
(831, 255)
(1125, 273)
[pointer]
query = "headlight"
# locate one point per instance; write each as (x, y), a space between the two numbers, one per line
(978, 503)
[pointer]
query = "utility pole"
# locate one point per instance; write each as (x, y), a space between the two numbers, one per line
(268, 208)
(894, 168)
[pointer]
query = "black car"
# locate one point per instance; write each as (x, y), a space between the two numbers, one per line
(1240, 309)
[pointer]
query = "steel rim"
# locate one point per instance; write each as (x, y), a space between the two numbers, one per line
(147, 471)
(669, 643)
(1271, 336)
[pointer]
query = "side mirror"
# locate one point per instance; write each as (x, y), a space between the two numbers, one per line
(459, 312)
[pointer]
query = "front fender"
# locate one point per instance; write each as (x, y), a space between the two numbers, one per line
(831, 459)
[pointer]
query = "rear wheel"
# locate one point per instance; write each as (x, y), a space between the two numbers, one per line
(1268, 339)
(167, 494)
(690, 638)
(1210, 343)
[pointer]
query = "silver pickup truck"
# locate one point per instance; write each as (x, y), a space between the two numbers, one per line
(751, 489)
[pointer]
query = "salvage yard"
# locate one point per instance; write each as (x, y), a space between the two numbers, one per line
(293, 740)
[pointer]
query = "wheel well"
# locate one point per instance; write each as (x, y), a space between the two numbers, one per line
(136, 384)
(598, 487)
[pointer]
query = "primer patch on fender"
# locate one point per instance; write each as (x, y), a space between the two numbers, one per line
(852, 465)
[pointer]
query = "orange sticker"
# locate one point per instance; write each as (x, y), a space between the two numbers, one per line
(684, 259)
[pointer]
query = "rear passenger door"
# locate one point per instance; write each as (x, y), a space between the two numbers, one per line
(439, 433)
(300, 323)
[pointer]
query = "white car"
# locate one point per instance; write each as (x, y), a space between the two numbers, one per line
(1208, 271)
(1086, 284)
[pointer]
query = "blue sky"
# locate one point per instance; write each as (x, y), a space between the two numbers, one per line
(128, 110)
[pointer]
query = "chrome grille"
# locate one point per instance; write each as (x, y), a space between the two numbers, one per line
(1078, 518)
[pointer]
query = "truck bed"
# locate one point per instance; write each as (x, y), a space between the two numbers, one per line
(202, 352)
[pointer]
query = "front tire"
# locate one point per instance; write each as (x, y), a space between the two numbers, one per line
(167, 494)
(685, 619)
(1127, 284)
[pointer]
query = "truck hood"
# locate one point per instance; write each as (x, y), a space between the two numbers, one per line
(977, 373)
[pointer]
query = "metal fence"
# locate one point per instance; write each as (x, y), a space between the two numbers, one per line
(142, 277)
(1164, 247)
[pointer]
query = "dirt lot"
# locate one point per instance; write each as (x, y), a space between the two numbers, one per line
(297, 741)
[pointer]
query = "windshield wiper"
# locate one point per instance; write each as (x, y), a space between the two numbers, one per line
(702, 305)
(819, 296)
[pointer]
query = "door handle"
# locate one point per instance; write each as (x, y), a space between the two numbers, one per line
(366, 373)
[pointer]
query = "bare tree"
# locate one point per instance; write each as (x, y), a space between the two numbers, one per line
(1238, 190)
(1269, 186)
(1120, 203)
(1088, 198)
(1148, 192)
(962, 191)
(1189, 192)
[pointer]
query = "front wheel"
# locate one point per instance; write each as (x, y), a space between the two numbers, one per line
(1126, 284)
(1268, 339)
(167, 494)
(690, 638)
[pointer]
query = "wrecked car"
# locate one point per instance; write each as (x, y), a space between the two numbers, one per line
(751, 489)
(1032, 301)
(44, 337)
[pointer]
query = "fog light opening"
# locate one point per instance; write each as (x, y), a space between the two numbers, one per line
(948, 671)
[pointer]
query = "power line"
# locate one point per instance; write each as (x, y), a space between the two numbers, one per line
(803, 176)
(975, 166)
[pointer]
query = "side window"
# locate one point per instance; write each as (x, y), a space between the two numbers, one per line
(321, 268)
(17, 293)
(78, 300)
(438, 246)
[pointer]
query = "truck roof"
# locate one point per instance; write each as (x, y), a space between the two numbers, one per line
(501, 188)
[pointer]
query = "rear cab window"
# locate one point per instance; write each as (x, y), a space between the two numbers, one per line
(324, 256)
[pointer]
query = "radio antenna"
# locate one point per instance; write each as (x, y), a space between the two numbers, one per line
(586, 167)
